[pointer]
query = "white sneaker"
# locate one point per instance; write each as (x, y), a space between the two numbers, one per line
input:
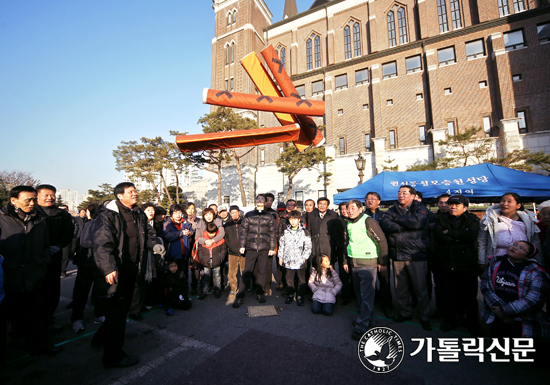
(230, 298)
(78, 326)
(99, 320)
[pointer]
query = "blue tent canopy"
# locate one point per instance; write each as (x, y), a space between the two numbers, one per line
(480, 183)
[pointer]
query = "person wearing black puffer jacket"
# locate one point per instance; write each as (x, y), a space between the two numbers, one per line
(406, 228)
(258, 241)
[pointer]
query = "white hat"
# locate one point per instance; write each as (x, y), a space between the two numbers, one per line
(544, 205)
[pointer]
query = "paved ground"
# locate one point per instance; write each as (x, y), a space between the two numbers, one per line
(216, 344)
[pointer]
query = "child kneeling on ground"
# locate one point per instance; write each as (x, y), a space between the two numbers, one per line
(211, 255)
(294, 251)
(325, 285)
(173, 288)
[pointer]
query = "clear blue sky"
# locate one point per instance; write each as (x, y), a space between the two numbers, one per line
(79, 77)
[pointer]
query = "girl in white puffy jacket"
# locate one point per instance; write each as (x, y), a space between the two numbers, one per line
(325, 285)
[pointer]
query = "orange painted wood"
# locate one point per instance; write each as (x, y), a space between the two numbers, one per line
(252, 65)
(287, 87)
(263, 102)
(234, 139)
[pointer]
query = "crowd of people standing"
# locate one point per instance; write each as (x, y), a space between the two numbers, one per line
(135, 257)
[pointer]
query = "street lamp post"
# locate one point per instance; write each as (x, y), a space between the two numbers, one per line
(360, 164)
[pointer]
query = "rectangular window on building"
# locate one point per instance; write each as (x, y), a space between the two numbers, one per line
(281, 197)
(392, 138)
(446, 56)
(451, 128)
(341, 81)
(262, 156)
(340, 111)
(226, 199)
(367, 142)
(516, 78)
(503, 8)
(232, 81)
(522, 124)
(362, 76)
(300, 199)
(422, 134)
(227, 84)
(342, 146)
(513, 40)
(414, 64)
(519, 6)
(447, 91)
(483, 84)
(543, 31)
(389, 70)
(475, 49)
(389, 102)
(365, 106)
(419, 97)
(301, 90)
(487, 125)
(317, 87)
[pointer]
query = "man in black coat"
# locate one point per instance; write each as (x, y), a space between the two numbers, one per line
(25, 245)
(61, 230)
(121, 239)
(327, 232)
(235, 259)
(258, 241)
(406, 228)
(455, 256)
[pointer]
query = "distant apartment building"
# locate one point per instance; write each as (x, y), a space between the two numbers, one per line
(396, 77)
(71, 198)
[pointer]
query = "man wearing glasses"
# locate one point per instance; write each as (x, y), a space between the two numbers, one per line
(406, 228)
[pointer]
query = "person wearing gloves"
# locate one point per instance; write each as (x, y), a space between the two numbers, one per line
(294, 252)
(503, 224)
(121, 239)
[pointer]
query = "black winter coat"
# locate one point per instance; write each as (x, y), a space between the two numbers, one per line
(327, 234)
(408, 233)
(258, 231)
(232, 236)
(456, 250)
(26, 251)
(108, 241)
(60, 227)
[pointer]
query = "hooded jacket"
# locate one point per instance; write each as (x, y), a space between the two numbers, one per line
(326, 289)
(295, 247)
(407, 231)
(258, 231)
(109, 231)
(487, 239)
(25, 247)
(532, 294)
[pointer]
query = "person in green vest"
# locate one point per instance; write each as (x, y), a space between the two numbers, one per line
(366, 253)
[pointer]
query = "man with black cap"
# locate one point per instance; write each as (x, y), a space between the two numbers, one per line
(455, 235)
